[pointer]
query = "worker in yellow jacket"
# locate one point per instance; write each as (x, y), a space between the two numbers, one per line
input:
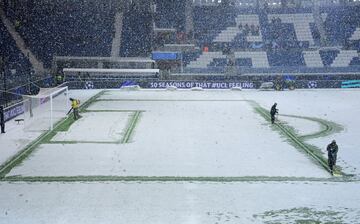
(75, 104)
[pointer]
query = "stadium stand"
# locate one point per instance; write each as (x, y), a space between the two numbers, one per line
(205, 59)
(77, 28)
(170, 14)
(252, 40)
(247, 25)
(207, 24)
(257, 59)
(136, 36)
(356, 34)
(300, 23)
(313, 59)
(328, 56)
(341, 23)
(355, 61)
(276, 38)
(17, 67)
(344, 58)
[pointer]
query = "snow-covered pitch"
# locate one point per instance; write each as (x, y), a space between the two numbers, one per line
(211, 156)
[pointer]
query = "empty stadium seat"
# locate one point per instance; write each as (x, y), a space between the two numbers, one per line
(344, 58)
(313, 59)
(17, 67)
(328, 56)
(79, 28)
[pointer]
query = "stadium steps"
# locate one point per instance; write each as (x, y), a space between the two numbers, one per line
(20, 43)
(328, 55)
(259, 59)
(344, 58)
(319, 19)
(301, 23)
(229, 34)
(355, 61)
(355, 35)
(313, 59)
(205, 59)
(178, 47)
(116, 42)
(250, 20)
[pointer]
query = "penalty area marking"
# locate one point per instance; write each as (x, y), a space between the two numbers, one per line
(297, 140)
(131, 126)
(128, 129)
(23, 154)
(327, 127)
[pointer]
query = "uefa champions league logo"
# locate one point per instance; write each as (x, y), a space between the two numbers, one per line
(312, 84)
(89, 85)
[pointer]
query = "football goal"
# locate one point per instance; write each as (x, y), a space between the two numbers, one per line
(44, 110)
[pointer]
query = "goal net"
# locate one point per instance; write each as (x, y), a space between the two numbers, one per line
(44, 110)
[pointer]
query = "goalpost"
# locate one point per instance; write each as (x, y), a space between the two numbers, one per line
(44, 110)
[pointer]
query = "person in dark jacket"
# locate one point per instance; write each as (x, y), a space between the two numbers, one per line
(2, 119)
(273, 111)
(332, 149)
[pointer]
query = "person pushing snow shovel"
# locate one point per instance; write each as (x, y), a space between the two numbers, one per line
(273, 111)
(75, 108)
(332, 149)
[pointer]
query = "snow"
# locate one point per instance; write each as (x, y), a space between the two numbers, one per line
(177, 138)
(210, 133)
(182, 202)
(302, 126)
(88, 129)
(16, 138)
(336, 105)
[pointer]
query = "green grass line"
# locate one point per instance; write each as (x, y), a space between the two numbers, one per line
(68, 121)
(20, 156)
(62, 125)
(264, 113)
(127, 136)
(170, 100)
(82, 142)
(171, 179)
(131, 127)
(315, 154)
(92, 99)
(113, 111)
(328, 127)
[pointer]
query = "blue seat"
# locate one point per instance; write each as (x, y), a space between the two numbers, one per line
(79, 28)
(328, 56)
(355, 61)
